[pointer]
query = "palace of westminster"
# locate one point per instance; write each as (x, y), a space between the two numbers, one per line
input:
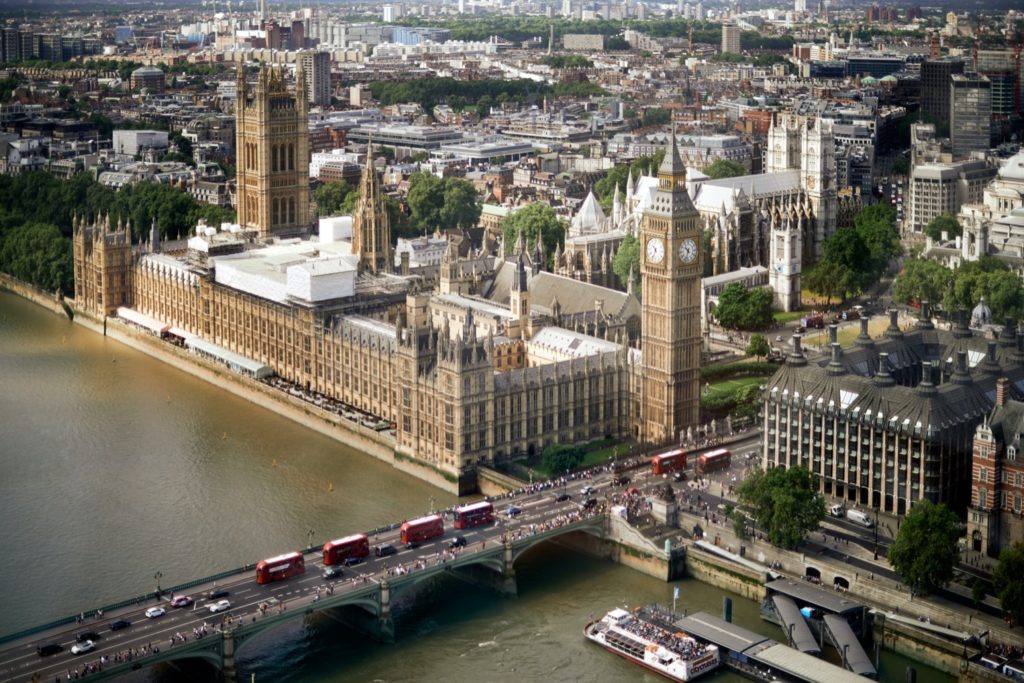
(483, 358)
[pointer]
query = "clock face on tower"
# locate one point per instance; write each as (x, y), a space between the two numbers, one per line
(655, 250)
(688, 251)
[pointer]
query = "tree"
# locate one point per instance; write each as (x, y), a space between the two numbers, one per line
(724, 168)
(559, 457)
(945, 223)
(925, 550)
(39, 254)
(1007, 581)
(785, 503)
(655, 117)
(876, 227)
(627, 260)
(832, 280)
(534, 220)
(442, 203)
(922, 280)
(758, 346)
(744, 309)
(330, 197)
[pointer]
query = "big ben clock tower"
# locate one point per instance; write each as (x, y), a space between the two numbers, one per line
(671, 264)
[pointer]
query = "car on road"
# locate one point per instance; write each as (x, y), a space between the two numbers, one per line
(384, 549)
(332, 573)
(47, 649)
(82, 648)
(154, 612)
(412, 545)
(562, 497)
(181, 601)
(586, 490)
(620, 480)
(589, 503)
(220, 606)
(118, 624)
(87, 635)
(457, 542)
(217, 593)
(512, 511)
(352, 561)
(679, 476)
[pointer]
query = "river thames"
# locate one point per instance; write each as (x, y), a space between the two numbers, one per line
(115, 467)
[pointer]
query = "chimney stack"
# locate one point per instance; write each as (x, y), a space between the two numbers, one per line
(1001, 390)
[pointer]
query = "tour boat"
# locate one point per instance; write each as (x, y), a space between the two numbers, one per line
(646, 640)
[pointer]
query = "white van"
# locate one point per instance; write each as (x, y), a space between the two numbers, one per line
(860, 518)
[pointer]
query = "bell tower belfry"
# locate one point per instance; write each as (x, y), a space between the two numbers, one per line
(671, 263)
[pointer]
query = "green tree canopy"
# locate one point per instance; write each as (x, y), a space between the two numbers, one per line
(627, 260)
(441, 203)
(785, 503)
(876, 226)
(744, 309)
(944, 223)
(534, 220)
(925, 550)
(921, 280)
(1008, 581)
(655, 117)
(39, 254)
(559, 457)
(758, 346)
(724, 168)
(331, 197)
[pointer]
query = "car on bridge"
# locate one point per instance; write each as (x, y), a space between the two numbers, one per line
(334, 572)
(352, 561)
(87, 635)
(457, 542)
(118, 624)
(154, 612)
(561, 497)
(181, 601)
(412, 545)
(384, 549)
(512, 511)
(587, 490)
(217, 593)
(82, 648)
(47, 649)
(220, 606)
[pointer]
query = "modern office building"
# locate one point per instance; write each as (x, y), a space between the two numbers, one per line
(940, 188)
(730, 37)
(970, 115)
(887, 422)
(936, 85)
(317, 66)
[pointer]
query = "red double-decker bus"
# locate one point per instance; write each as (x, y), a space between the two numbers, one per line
(280, 568)
(712, 461)
(422, 529)
(339, 550)
(474, 514)
(673, 461)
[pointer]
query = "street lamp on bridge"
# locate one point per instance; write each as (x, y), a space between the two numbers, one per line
(156, 577)
(309, 536)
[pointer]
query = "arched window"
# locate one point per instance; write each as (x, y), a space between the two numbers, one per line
(273, 158)
(291, 156)
(291, 210)
(273, 220)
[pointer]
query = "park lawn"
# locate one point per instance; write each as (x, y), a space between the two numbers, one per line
(598, 456)
(847, 334)
(731, 385)
(783, 317)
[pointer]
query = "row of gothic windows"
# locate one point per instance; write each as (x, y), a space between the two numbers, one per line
(282, 157)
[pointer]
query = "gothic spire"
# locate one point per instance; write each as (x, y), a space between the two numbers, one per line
(672, 165)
